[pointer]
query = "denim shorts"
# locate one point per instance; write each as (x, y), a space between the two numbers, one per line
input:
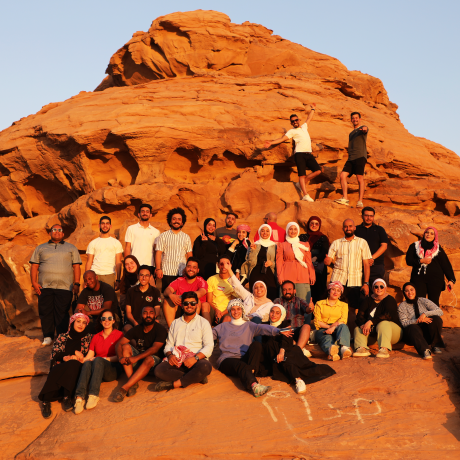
(155, 358)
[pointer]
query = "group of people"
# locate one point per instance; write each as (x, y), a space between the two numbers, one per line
(259, 301)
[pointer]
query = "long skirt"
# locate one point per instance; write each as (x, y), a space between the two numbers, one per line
(61, 381)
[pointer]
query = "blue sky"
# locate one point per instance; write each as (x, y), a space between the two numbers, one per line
(51, 50)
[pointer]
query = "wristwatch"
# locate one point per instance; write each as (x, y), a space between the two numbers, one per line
(76, 284)
(196, 357)
(366, 283)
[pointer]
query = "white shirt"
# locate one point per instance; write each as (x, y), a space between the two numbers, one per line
(104, 251)
(301, 138)
(142, 241)
(195, 335)
(174, 247)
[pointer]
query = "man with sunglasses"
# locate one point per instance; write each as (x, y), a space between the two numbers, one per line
(303, 156)
(189, 345)
(55, 276)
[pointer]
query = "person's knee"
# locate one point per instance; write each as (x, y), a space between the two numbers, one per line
(306, 328)
(127, 327)
(97, 362)
(205, 366)
(205, 307)
(343, 175)
(149, 362)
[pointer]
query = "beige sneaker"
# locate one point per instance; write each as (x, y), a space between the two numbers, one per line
(383, 353)
(308, 198)
(362, 351)
(300, 387)
(92, 402)
(333, 353)
(359, 204)
(306, 352)
(47, 341)
(345, 352)
(343, 201)
(78, 407)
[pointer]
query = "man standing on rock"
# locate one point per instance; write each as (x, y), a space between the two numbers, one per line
(55, 275)
(228, 234)
(357, 159)
(304, 159)
(104, 255)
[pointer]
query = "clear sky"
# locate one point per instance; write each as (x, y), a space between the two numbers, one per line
(51, 50)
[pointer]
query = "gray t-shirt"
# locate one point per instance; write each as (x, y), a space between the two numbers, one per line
(357, 147)
(55, 264)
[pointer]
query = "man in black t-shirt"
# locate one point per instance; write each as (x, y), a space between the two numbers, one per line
(377, 239)
(228, 233)
(139, 351)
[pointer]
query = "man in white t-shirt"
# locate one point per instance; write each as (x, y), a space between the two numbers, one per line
(140, 239)
(302, 152)
(104, 255)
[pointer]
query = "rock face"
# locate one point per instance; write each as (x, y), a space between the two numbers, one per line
(181, 120)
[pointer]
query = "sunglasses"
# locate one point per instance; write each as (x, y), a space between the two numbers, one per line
(57, 230)
(106, 318)
(187, 303)
(293, 121)
(379, 286)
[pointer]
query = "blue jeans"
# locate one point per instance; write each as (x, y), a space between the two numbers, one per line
(92, 374)
(341, 336)
(303, 292)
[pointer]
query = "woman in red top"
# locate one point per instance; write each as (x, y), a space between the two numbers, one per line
(101, 362)
(293, 262)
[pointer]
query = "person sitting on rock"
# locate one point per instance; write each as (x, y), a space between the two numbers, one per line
(67, 356)
(422, 322)
(332, 334)
(285, 361)
(101, 362)
(241, 356)
(149, 339)
(172, 305)
(129, 279)
(377, 319)
(188, 347)
(304, 159)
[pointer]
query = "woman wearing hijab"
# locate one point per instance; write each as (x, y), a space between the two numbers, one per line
(68, 353)
(260, 262)
(331, 315)
(240, 355)
(319, 247)
(422, 323)
(430, 265)
(293, 262)
(207, 248)
(377, 319)
(129, 279)
(101, 362)
(238, 250)
(285, 361)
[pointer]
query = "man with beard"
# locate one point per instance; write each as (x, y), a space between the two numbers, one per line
(228, 234)
(350, 255)
(140, 239)
(188, 347)
(139, 351)
(173, 248)
(172, 305)
(104, 255)
(298, 312)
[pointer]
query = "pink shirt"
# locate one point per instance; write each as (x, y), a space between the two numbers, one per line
(289, 268)
(105, 348)
(180, 286)
(278, 233)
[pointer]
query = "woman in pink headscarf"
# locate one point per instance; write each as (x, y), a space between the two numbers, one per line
(430, 266)
(67, 356)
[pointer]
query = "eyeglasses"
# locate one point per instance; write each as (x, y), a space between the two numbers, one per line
(187, 303)
(145, 276)
(106, 318)
(293, 121)
(57, 230)
(379, 287)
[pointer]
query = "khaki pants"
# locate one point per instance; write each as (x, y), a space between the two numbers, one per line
(388, 333)
(108, 279)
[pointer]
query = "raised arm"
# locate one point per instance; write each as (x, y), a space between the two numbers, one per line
(280, 140)
(312, 112)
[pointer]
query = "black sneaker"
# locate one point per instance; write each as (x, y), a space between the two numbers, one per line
(436, 350)
(120, 395)
(46, 409)
(427, 354)
(204, 381)
(67, 404)
(161, 386)
(132, 391)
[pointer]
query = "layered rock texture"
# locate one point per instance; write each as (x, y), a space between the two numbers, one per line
(181, 119)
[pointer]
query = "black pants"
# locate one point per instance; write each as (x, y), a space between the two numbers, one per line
(377, 271)
(244, 367)
(195, 374)
(53, 309)
(353, 297)
(432, 289)
(425, 335)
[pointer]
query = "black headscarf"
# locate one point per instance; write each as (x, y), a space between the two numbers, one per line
(413, 302)
(206, 222)
(76, 337)
(426, 245)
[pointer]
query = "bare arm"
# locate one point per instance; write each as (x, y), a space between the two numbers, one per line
(312, 112)
(89, 262)
(189, 254)
(158, 257)
(34, 278)
(76, 278)
(117, 270)
(127, 249)
(383, 247)
(269, 144)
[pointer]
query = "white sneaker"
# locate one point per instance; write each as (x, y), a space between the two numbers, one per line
(359, 204)
(308, 198)
(47, 341)
(92, 402)
(78, 407)
(345, 352)
(306, 352)
(300, 387)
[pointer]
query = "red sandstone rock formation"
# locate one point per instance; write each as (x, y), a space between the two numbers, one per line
(181, 120)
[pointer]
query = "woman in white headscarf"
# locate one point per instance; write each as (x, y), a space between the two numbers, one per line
(293, 262)
(260, 262)
(285, 361)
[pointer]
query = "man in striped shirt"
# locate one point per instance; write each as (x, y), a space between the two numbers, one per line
(350, 255)
(173, 248)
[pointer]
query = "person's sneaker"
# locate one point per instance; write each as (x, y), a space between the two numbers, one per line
(260, 390)
(161, 386)
(67, 404)
(78, 408)
(92, 402)
(436, 350)
(345, 352)
(204, 381)
(361, 351)
(359, 204)
(343, 201)
(308, 198)
(383, 353)
(427, 354)
(312, 337)
(334, 353)
(47, 341)
(120, 395)
(132, 391)
(45, 407)
(300, 387)
(306, 352)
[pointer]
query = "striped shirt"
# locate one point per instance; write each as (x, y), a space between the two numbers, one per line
(348, 263)
(174, 247)
(406, 311)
